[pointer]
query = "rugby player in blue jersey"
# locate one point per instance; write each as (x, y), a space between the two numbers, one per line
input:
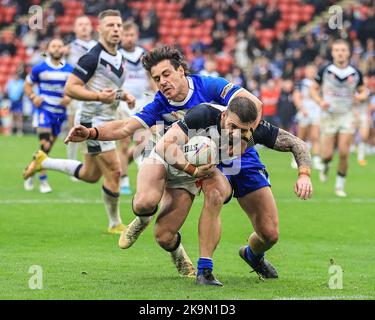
(50, 102)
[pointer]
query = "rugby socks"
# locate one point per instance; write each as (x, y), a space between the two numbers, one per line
(252, 257)
(112, 206)
(205, 263)
(63, 165)
(72, 150)
(340, 181)
(43, 177)
(124, 182)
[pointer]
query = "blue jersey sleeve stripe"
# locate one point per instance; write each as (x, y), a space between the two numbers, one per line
(144, 123)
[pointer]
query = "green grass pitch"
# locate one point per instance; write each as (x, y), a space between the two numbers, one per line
(65, 233)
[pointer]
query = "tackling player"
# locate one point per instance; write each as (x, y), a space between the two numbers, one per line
(50, 102)
(341, 88)
(228, 127)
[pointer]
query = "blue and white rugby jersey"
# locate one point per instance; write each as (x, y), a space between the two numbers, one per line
(51, 82)
(202, 89)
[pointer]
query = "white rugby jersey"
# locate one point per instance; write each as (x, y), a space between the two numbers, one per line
(100, 69)
(339, 86)
(77, 48)
(136, 80)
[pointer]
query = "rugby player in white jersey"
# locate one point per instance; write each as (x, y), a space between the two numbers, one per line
(96, 81)
(137, 83)
(308, 116)
(82, 43)
(341, 88)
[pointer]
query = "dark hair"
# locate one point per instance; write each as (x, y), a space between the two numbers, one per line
(244, 108)
(53, 39)
(109, 13)
(164, 52)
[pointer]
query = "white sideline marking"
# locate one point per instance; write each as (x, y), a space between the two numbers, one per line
(198, 200)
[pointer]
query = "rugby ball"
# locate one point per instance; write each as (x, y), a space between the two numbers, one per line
(200, 150)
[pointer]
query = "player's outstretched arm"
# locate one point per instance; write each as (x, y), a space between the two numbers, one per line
(113, 130)
(285, 141)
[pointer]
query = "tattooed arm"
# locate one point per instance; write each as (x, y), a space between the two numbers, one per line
(281, 140)
(285, 142)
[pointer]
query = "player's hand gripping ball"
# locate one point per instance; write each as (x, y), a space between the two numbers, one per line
(200, 150)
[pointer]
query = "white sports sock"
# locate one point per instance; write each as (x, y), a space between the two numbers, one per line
(124, 182)
(361, 151)
(62, 165)
(112, 206)
(72, 150)
(340, 182)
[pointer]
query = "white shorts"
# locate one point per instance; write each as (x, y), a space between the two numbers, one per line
(332, 123)
(309, 120)
(177, 179)
(94, 146)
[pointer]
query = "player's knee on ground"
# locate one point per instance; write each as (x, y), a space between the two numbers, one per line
(213, 197)
(144, 203)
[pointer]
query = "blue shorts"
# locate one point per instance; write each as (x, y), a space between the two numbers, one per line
(252, 174)
(16, 106)
(46, 119)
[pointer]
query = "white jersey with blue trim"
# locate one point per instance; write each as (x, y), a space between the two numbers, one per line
(202, 89)
(77, 48)
(339, 86)
(136, 79)
(99, 70)
(51, 81)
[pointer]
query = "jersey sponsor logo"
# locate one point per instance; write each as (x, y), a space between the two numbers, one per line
(226, 90)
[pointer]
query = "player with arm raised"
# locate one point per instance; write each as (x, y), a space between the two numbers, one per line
(96, 80)
(341, 88)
